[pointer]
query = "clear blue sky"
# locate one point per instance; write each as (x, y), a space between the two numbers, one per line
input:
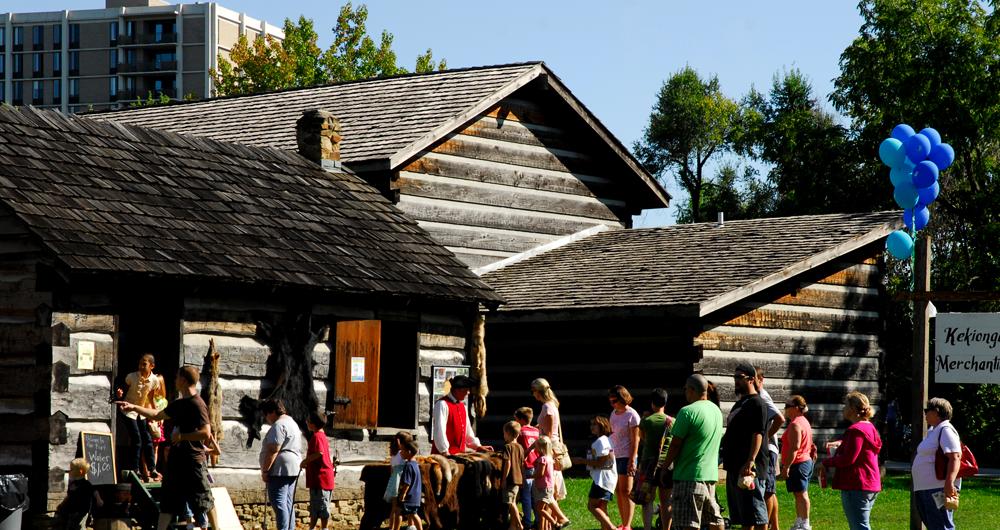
(614, 55)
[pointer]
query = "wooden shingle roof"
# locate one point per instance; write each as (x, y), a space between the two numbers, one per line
(701, 266)
(384, 121)
(378, 117)
(103, 197)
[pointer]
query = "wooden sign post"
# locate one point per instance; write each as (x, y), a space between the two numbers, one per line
(921, 352)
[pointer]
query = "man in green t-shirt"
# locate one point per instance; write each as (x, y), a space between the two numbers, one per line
(694, 451)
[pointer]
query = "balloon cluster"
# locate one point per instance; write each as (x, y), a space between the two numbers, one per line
(916, 159)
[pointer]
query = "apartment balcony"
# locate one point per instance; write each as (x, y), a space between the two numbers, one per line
(148, 39)
(129, 95)
(144, 67)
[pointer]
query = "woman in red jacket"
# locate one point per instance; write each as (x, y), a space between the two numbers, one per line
(856, 463)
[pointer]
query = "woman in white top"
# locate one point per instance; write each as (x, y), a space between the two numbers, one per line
(280, 456)
(548, 425)
(926, 485)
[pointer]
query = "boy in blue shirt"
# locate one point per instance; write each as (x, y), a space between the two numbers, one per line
(410, 490)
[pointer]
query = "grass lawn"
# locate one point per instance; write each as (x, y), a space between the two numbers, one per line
(980, 508)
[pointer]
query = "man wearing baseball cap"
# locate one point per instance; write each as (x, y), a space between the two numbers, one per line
(452, 433)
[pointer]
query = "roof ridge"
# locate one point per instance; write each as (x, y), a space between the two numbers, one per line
(542, 249)
(759, 219)
(178, 103)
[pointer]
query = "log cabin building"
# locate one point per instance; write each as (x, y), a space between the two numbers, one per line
(129, 240)
(801, 297)
(491, 161)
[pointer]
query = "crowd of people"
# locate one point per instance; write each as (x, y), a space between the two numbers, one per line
(669, 466)
(639, 459)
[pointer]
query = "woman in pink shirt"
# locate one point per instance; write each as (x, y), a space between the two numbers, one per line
(856, 462)
(796, 458)
(625, 444)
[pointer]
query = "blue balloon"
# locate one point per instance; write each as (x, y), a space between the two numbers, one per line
(927, 195)
(942, 155)
(891, 152)
(917, 148)
(899, 244)
(902, 132)
(921, 216)
(900, 176)
(905, 195)
(908, 218)
(925, 174)
(932, 135)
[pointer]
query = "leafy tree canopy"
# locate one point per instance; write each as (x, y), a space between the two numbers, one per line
(270, 64)
(692, 122)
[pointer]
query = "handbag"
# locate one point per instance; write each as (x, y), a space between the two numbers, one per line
(967, 465)
(154, 430)
(644, 486)
(560, 453)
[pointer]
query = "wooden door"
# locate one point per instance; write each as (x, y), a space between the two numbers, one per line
(358, 346)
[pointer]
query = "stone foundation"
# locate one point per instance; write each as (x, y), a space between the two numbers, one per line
(344, 514)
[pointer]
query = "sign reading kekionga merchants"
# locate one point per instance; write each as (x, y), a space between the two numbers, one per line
(967, 348)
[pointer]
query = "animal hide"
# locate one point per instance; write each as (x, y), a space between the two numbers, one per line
(291, 338)
(446, 468)
(478, 353)
(211, 393)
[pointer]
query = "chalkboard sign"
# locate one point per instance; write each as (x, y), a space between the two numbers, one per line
(99, 450)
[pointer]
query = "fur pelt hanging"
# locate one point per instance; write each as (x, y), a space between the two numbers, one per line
(211, 393)
(291, 337)
(478, 354)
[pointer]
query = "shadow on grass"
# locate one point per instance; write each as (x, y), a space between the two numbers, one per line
(979, 499)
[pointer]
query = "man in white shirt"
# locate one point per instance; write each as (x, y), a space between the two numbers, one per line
(452, 432)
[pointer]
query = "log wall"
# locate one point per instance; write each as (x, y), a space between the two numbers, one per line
(519, 176)
(79, 398)
(581, 360)
(443, 340)
(25, 357)
(816, 335)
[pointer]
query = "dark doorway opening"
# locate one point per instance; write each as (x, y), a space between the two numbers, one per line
(398, 375)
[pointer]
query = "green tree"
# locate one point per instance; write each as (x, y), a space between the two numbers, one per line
(691, 123)
(738, 195)
(813, 164)
(269, 64)
(937, 63)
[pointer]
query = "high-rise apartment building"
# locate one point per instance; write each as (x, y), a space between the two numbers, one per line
(100, 58)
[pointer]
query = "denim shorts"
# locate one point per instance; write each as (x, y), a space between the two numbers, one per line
(621, 465)
(319, 503)
(771, 480)
(409, 509)
(746, 507)
(599, 493)
(798, 476)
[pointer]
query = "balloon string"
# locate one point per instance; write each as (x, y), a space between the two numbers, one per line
(913, 260)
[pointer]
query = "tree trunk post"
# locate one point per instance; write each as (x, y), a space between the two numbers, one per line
(921, 347)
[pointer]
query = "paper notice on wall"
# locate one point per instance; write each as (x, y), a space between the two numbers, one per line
(85, 355)
(357, 369)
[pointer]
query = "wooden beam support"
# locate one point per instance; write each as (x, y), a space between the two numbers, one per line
(921, 347)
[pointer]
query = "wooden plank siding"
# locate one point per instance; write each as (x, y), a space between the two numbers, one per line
(816, 335)
(520, 175)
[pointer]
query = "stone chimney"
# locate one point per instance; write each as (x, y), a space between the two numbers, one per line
(317, 133)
